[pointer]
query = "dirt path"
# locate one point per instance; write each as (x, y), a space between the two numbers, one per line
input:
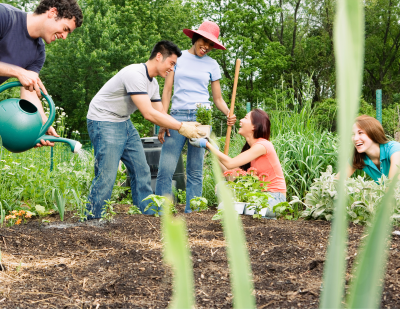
(119, 264)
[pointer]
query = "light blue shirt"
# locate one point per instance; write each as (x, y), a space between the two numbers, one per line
(192, 76)
(386, 151)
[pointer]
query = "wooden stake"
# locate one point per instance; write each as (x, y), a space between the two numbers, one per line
(231, 112)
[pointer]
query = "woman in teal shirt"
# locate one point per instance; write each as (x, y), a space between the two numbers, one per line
(374, 154)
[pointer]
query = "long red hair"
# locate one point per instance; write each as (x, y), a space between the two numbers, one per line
(374, 131)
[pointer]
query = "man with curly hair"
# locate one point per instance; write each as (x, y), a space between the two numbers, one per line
(22, 51)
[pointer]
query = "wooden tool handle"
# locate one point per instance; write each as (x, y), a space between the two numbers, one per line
(231, 112)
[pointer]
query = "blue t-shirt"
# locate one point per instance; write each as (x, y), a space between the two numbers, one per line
(192, 75)
(16, 45)
(386, 151)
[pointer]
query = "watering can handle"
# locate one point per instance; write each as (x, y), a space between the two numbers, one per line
(52, 115)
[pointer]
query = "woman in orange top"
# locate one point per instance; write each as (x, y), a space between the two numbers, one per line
(258, 152)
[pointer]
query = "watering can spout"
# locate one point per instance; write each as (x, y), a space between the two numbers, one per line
(75, 145)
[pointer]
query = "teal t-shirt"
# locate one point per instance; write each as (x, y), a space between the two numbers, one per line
(386, 151)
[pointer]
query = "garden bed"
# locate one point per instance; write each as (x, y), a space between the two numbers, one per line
(119, 264)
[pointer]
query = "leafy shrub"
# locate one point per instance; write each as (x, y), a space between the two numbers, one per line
(363, 198)
(198, 204)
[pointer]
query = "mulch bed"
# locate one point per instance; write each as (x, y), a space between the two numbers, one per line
(119, 264)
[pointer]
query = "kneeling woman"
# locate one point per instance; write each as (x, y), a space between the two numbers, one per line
(373, 153)
(258, 152)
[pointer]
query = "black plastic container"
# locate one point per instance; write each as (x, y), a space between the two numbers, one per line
(152, 149)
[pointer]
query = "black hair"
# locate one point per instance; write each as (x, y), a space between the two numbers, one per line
(65, 9)
(195, 37)
(262, 129)
(166, 48)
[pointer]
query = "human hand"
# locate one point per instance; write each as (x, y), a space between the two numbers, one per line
(231, 120)
(191, 130)
(198, 142)
(202, 142)
(161, 134)
(30, 81)
(51, 131)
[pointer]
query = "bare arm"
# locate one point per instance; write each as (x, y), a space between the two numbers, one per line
(157, 106)
(142, 101)
(350, 171)
(394, 164)
(220, 103)
(167, 91)
(245, 157)
(30, 80)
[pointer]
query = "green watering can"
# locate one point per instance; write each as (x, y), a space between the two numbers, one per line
(21, 124)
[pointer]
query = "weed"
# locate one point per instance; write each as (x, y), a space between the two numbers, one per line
(108, 212)
(181, 196)
(134, 210)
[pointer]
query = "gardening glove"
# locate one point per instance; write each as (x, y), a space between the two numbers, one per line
(202, 142)
(191, 130)
(161, 133)
(198, 142)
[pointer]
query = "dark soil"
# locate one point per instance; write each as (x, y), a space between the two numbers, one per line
(119, 264)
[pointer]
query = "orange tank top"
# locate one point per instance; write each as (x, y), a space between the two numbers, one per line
(270, 166)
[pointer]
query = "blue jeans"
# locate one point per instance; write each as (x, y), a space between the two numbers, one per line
(112, 142)
(277, 197)
(170, 153)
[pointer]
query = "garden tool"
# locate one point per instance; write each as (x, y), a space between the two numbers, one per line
(231, 112)
(21, 124)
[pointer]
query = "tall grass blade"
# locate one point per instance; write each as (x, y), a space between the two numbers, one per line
(60, 200)
(366, 289)
(349, 51)
(177, 255)
(238, 258)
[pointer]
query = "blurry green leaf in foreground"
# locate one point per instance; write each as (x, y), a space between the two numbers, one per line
(238, 258)
(366, 290)
(176, 254)
(349, 52)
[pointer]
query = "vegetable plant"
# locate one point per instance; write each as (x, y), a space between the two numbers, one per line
(204, 114)
(258, 200)
(156, 204)
(60, 200)
(284, 209)
(181, 195)
(134, 210)
(198, 204)
(108, 212)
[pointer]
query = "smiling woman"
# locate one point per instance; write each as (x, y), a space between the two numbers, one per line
(373, 153)
(192, 74)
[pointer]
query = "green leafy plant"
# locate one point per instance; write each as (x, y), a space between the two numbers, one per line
(198, 204)
(181, 194)
(258, 200)
(219, 215)
(238, 258)
(81, 209)
(108, 212)
(60, 200)
(41, 210)
(2, 214)
(134, 210)
(204, 114)
(284, 209)
(176, 254)
(363, 198)
(156, 204)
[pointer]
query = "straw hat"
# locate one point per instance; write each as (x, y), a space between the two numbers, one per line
(209, 30)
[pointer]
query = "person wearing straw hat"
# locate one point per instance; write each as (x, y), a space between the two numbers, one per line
(191, 77)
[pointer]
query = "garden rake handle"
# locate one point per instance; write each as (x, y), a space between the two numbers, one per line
(231, 112)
